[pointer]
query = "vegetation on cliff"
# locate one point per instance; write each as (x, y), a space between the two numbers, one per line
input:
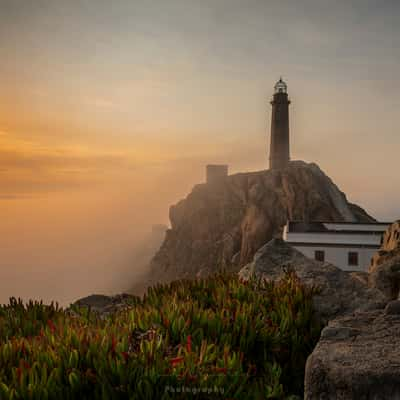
(217, 337)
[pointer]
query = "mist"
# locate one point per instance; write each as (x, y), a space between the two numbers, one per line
(109, 114)
(60, 246)
(97, 238)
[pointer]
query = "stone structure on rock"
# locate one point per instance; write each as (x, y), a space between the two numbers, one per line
(279, 148)
(384, 272)
(215, 173)
(340, 293)
(222, 226)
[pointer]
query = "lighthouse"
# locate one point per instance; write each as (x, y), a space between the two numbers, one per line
(279, 149)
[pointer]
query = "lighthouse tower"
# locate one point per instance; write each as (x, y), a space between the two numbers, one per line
(279, 150)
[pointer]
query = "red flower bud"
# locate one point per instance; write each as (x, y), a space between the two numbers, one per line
(175, 361)
(51, 326)
(221, 370)
(189, 344)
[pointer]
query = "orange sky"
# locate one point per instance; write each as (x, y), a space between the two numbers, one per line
(109, 114)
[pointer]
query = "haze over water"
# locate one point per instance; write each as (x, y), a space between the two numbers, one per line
(108, 114)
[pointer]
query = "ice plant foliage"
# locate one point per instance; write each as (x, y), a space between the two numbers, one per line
(249, 339)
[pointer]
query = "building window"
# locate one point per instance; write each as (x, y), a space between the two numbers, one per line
(319, 255)
(353, 258)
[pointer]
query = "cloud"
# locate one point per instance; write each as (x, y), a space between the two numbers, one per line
(29, 167)
(19, 153)
(13, 197)
(62, 161)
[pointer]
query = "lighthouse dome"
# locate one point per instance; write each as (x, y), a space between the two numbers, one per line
(280, 86)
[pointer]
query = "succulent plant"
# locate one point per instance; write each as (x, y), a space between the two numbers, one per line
(238, 339)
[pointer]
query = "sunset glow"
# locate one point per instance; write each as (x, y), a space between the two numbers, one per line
(109, 114)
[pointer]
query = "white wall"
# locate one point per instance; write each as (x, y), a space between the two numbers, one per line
(339, 256)
(356, 227)
(334, 238)
(330, 243)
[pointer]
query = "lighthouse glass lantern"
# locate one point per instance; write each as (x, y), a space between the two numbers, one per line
(280, 86)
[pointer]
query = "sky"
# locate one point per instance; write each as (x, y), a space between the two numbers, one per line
(109, 112)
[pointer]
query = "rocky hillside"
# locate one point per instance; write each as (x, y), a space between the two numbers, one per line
(223, 224)
(339, 292)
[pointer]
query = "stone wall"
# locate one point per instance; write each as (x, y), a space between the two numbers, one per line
(215, 173)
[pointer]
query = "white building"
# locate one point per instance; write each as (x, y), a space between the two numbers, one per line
(347, 245)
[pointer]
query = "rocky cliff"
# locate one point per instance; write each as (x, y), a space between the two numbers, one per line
(221, 225)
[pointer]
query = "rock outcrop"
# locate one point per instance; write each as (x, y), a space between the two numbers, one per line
(384, 272)
(340, 292)
(357, 357)
(221, 225)
(104, 305)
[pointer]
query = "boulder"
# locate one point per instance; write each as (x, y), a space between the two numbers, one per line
(340, 292)
(384, 272)
(104, 305)
(357, 357)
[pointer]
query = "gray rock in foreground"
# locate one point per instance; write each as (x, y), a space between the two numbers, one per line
(340, 292)
(357, 357)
